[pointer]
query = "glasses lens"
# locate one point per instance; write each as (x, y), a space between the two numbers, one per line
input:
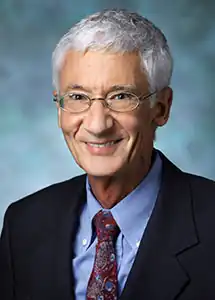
(75, 102)
(122, 101)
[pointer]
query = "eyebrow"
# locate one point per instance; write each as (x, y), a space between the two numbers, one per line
(118, 87)
(76, 87)
(126, 87)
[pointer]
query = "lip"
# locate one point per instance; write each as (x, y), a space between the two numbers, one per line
(108, 149)
(103, 142)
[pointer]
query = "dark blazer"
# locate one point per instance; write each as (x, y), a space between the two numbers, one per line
(175, 260)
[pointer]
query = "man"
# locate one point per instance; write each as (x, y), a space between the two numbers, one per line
(134, 227)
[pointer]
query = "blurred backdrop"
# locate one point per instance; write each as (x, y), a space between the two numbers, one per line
(32, 150)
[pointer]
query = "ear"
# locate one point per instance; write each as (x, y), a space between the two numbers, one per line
(161, 109)
(58, 108)
(59, 111)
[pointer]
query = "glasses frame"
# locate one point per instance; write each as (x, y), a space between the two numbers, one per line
(141, 98)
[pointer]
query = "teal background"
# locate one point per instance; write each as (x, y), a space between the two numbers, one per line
(32, 150)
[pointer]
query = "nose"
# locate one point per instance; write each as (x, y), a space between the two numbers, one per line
(98, 119)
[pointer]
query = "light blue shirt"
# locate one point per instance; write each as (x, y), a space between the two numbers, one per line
(131, 214)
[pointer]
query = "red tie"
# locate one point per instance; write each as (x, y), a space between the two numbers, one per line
(102, 284)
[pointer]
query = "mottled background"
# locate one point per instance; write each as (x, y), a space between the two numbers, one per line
(33, 153)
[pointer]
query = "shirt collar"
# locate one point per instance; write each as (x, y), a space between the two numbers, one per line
(133, 212)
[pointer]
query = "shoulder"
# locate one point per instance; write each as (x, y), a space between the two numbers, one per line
(197, 184)
(46, 202)
(202, 192)
(200, 187)
(191, 193)
(201, 184)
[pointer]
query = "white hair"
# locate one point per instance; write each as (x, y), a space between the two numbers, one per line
(118, 30)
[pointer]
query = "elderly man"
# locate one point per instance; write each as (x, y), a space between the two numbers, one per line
(135, 226)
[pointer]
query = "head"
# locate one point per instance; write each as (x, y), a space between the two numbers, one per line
(109, 51)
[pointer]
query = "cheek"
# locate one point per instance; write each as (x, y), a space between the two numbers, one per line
(137, 126)
(70, 124)
(141, 131)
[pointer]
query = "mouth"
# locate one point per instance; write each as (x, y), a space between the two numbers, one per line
(103, 148)
(104, 144)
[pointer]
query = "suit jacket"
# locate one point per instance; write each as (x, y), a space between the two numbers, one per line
(175, 260)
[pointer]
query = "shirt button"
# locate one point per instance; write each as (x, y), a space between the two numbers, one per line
(138, 244)
(84, 242)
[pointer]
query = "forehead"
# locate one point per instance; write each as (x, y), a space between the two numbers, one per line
(99, 70)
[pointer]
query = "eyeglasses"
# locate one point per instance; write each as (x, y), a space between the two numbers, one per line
(76, 102)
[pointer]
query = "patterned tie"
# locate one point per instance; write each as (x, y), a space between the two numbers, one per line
(102, 284)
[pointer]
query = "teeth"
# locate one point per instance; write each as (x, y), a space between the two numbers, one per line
(101, 145)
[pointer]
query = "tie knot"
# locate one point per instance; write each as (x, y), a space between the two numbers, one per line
(106, 226)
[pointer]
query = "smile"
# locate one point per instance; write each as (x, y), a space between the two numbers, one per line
(101, 145)
(105, 148)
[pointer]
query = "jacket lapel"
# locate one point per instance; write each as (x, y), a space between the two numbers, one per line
(157, 273)
(64, 239)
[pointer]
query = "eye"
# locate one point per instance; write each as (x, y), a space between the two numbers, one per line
(76, 96)
(121, 96)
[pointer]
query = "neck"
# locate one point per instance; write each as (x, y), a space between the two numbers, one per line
(111, 190)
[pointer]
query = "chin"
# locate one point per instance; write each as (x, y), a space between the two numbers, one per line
(102, 166)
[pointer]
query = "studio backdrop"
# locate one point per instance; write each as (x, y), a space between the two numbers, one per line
(32, 150)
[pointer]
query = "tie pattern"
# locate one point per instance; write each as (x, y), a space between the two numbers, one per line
(102, 284)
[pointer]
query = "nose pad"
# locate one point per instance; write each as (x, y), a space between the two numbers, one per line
(101, 100)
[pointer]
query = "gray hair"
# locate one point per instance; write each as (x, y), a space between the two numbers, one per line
(118, 30)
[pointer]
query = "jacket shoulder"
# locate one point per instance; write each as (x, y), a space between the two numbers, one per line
(201, 185)
(48, 201)
(203, 203)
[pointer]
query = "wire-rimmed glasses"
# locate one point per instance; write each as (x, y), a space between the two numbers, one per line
(77, 102)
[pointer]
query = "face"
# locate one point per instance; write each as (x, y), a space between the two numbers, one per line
(104, 142)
